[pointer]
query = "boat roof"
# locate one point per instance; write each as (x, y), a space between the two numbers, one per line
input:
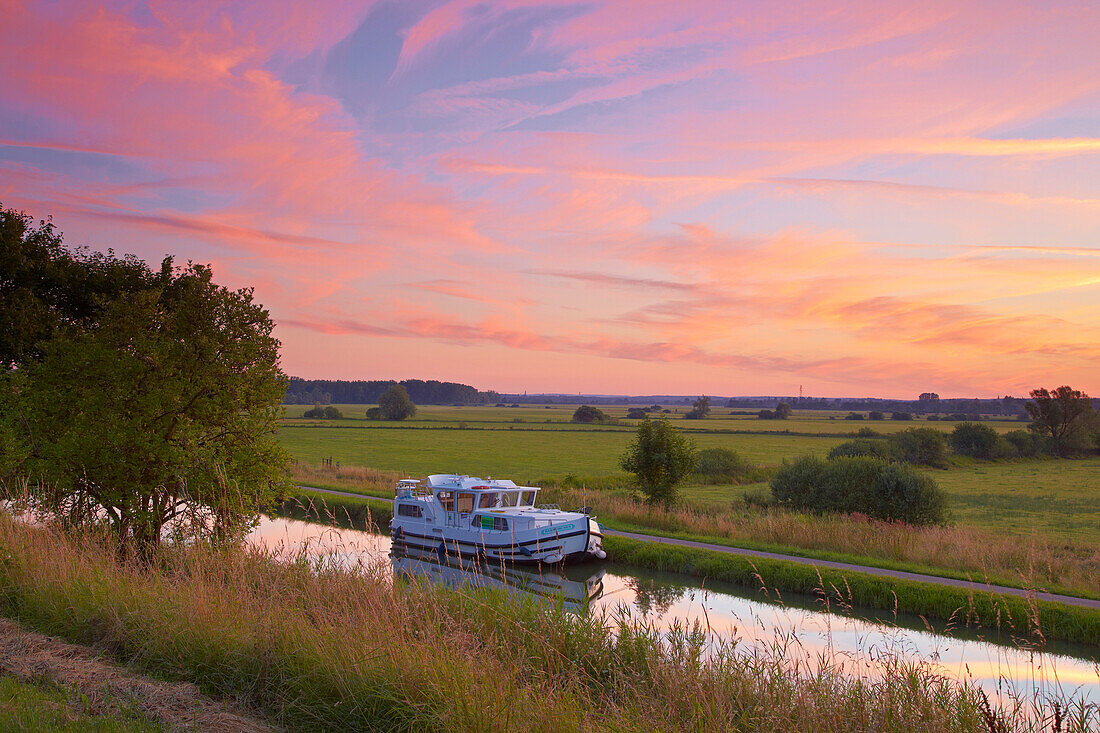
(455, 482)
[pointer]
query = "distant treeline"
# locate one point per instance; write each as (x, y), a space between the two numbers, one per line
(367, 392)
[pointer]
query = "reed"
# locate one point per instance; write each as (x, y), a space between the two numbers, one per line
(315, 644)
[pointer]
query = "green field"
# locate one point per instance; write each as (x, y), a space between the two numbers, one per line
(1055, 498)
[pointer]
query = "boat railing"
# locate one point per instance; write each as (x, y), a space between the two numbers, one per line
(405, 492)
(555, 507)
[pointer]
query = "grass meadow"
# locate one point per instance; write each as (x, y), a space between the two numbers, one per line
(316, 645)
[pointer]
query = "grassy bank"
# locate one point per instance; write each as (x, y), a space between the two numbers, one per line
(1025, 618)
(44, 707)
(958, 551)
(315, 646)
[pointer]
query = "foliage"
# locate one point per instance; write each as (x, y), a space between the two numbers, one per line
(1065, 415)
(660, 457)
(862, 447)
(588, 415)
(395, 404)
(853, 416)
(870, 486)
(866, 433)
(919, 446)
(45, 287)
(766, 414)
(782, 411)
(699, 410)
(901, 416)
(1027, 444)
(979, 441)
(374, 413)
(366, 392)
(876, 415)
(722, 466)
(636, 413)
(323, 412)
(166, 410)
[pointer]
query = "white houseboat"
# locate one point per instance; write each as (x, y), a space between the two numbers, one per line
(496, 519)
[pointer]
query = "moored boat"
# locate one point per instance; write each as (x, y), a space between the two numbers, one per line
(455, 515)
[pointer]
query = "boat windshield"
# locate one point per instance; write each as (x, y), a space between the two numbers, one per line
(496, 499)
(527, 498)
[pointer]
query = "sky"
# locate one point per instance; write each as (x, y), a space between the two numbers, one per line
(602, 196)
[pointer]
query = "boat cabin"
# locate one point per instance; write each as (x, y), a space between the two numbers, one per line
(468, 501)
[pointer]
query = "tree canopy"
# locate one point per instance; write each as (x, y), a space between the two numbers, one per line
(157, 402)
(589, 414)
(1065, 415)
(394, 404)
(700, 409)
(660, 457)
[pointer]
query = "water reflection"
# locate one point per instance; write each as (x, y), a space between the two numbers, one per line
(859, 642)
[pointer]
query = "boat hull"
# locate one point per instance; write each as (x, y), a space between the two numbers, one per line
(575, 544)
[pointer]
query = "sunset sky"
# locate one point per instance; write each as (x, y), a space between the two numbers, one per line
(617, 196)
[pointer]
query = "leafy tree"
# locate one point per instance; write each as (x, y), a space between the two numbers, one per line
(876, 415)
(901, 416)
(867, 485)
(395, 403)
(722, 465)
(1065, 415)
(766, 415)
(1028, 444)
(332, 413)
(636, 413)
(978, 441)
(782, 411)
(861, 447)
(317, 412)
(589, 414)
(700, 409)
(45, 287)
(853, 416)
(919, 446)
(374, 413)
(166, 410)
(660, 457)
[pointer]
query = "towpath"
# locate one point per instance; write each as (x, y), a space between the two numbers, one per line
(849, 567)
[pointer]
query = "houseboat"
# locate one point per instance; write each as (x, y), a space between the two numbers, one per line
(456, 516)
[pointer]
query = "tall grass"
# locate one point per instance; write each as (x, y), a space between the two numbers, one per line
(958, 551)
(319, 645)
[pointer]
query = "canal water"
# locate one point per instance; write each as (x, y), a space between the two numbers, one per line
(859, 641)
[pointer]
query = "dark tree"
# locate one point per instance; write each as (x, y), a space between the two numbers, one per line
(589, 414)
(1065, 415)
(782, 411)
(700, 409)
(978, 441)
(660, 458)
(636, 413)
(395, 403)
(165, 410)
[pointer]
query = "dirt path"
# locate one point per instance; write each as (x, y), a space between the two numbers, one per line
(868, 569)
(34, 657)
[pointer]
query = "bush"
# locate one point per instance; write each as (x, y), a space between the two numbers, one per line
(374, 413)
(722, 466)
(919, 446)
(876, 415)
(660, 457)
(588, 414)
(636, 413)
(853, 416)
(901, 416)
(861, 447)
(871, 486)
(395, 404)
(317, 412)
(979, 441)
(766, 415)
(866, 433)
(332, 413)
(1028, 444)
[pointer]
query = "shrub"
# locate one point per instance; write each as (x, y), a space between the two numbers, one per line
(861, 447)
(660, 457)
(782, 411)
(853, 416)
(766, 415)
(722, 466)
(919, 446)
(317, 412)
(588, 414)
(1027, 443)
(863, 484)
(979, 441)
(636, 413)
(332, 413)
(901, 416)
(374, 413)
(866, 433)
(876, 415)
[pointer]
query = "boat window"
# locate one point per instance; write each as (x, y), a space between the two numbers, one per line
(447, 499)
(528, 498)
(409, 510)
(484, 521)
(489, 500)
(509, 498)
(465, 503)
